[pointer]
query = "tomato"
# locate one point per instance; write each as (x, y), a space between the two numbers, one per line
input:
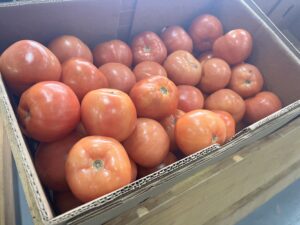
(199, 129)
(147, 46)
(96, 166)
(119, 76)
(27, 62)
(66, 47)
(169, 123)
(148, 69)
(175, 38)
(65, 201)
(261, 105)
(246, 80)
(204, 30)
(227, 100)
(115, 51)
(190, 98)
(229, 122)
(170, 158)
(49, 161)
(133, 170)
(234, 47)
(149, 143)
(82, 76)
(205, 56)
(216, 75)
(48, 111)
(155, 97)
(108, 112)
(183, 68)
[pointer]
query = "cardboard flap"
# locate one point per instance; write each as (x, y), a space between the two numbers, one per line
(93, 22)
(155, 14)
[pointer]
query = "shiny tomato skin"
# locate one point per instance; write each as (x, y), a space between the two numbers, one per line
(96, 166)
(234, 47)
(108, 112)
(261, 105)
(183, 68)
(229, 122)
(246, 80)
(149, 143)
(170, 158)
(216, 75)
(204, 30)
(119, 76)
(176, 38)
(155, 97)
(66, 47)
(112, 51)
(65, 201)
(82, 77)
(169, 123)
(190, 98)
(199, 129)
(133, 170)
(27, 62)
(147, 46)
(148, 69)
(48, 111)
(49, 161)
(205, 56)
(226, 100)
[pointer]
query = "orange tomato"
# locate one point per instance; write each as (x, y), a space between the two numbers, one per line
(199, 129)
(96, 166)
(108, 112)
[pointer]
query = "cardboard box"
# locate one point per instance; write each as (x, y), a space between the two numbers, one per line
(97, 20)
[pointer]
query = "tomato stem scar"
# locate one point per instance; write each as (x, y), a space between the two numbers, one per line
(98, 164)
(164, 90)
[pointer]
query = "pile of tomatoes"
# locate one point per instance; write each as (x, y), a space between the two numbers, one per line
(135, 110)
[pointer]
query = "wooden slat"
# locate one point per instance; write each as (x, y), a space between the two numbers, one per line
(228, 190)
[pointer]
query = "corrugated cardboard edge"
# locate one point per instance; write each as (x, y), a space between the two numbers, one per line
(22, 156)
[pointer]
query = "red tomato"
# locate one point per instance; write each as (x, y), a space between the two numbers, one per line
(246, 80)
(199, 129)
(216, 75)
(82, 77)
(65, 201)
(148, 145)
(170, 158)
(155, 97)
(115, 51)
(27, 62)
(261, 105)
(175, 38)
(66, 47)
(49, 161)
(204, 30)
(133, 170)
(190, 98)
(108, 112)
(48, 111)
(234, 47)
(229, 122)
(183, 68)
(205, 56)
(96, 166)
(147, 46)
(119, 76)
(227, 100)
(169, 123)
(148, 69)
